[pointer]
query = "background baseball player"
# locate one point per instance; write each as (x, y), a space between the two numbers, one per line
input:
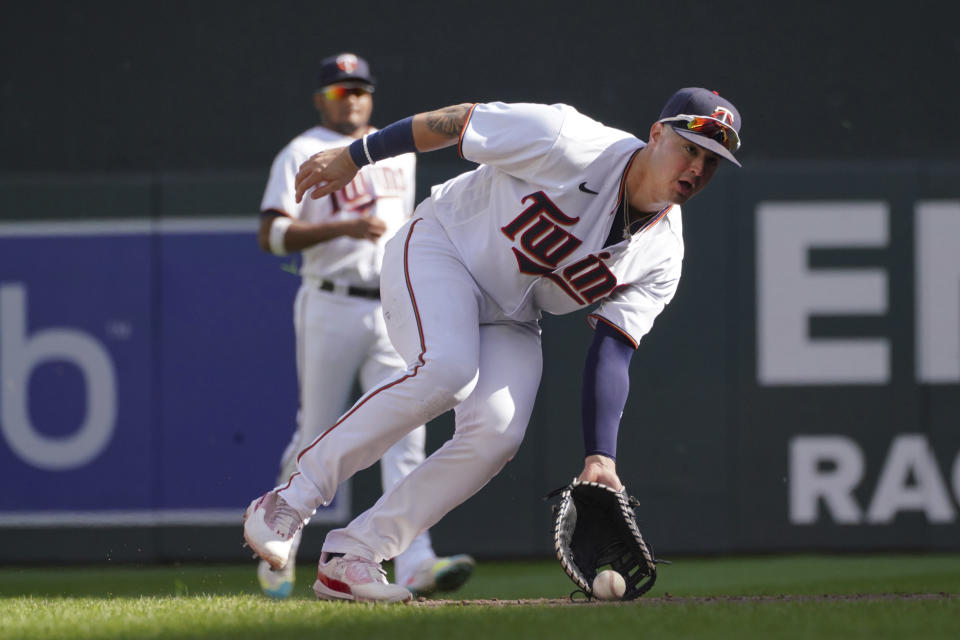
(562, 213)
(340, 333)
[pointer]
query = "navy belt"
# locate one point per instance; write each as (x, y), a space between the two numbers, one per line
(350, 290)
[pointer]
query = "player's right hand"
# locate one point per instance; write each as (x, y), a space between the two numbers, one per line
(325, 172)
(367, 228)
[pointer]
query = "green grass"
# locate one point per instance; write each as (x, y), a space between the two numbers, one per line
(223, 602)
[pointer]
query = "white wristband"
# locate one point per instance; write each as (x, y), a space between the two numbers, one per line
(277, 231)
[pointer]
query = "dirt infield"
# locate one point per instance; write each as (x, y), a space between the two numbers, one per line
(667, 599)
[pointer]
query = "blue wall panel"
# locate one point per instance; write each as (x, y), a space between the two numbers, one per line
(77, 329)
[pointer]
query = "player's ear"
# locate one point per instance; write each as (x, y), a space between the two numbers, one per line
(656, 130)
(318, 101)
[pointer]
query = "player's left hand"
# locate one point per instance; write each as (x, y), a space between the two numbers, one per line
(597, 468)
(325, 172)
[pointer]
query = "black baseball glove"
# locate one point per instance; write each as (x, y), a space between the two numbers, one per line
(595, 528)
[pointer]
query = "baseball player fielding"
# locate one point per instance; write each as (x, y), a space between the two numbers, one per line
(561, 214)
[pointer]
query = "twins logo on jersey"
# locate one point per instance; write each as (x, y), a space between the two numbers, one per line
(544, 244)
(368, 185)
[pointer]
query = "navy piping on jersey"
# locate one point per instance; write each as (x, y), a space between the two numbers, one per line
(623, 334)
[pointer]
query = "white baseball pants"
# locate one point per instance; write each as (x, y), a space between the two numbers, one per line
(437, 319)
(342, 339)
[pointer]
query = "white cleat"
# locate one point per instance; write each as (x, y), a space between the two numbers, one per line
(440, 574)
(277, 583)
(351, 578)
(270, 527)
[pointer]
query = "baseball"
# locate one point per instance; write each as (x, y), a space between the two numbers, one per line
(609, 585)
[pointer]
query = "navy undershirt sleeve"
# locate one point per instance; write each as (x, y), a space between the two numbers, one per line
(606, 384)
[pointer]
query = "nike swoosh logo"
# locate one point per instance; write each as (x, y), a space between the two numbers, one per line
(583, 187)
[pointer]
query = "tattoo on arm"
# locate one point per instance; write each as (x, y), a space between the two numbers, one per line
(448, 121)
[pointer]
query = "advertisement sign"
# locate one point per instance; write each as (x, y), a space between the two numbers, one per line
(146, 372)
(850, 426)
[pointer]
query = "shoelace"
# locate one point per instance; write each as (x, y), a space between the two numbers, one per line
(372, 565)
(372, 569)
(285, 519)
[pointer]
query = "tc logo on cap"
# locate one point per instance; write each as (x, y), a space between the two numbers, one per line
(347, 62)
(723, 115)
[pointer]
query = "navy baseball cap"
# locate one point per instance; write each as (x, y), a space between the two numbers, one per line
(706, 119)
(344, 67)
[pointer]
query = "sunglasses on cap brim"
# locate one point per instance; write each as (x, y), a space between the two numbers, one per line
(709, 127)
(341, 91)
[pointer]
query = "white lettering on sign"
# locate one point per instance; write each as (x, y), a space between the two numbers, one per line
(910, 481)
(937, 278)
(827, 469)
(824, 468)
(789, 292)
(20, 354)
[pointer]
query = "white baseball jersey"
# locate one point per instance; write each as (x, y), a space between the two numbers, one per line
(531, 222)
(385, 190)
